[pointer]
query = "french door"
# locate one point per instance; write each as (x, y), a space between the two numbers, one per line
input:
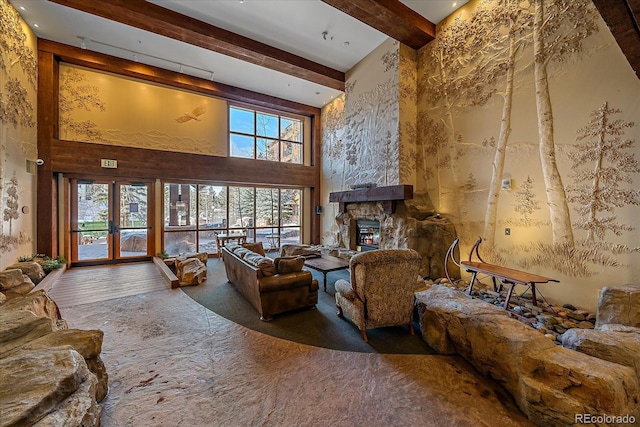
(110, 221)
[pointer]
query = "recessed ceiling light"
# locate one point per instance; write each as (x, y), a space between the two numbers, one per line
(23, 8)
(36, 25)
(317, 93)
(346, 44)
(454, 4)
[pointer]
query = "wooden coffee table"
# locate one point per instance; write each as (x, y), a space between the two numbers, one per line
(326, 264)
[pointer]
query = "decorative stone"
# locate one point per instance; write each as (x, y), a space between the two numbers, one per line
(3, 298)
(568, 307)
(576, 316)
(622, 347)
(20, 290)
(548, 383)
(47, 383)
(18, 327)
(38, 303)
(11, 278)
(32, 269)
(619, 304)
(190, 271)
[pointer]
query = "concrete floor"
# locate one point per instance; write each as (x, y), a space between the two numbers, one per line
(172, 362)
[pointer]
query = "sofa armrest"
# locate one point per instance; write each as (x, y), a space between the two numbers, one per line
(281, 282)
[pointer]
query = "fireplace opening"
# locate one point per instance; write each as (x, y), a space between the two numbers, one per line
(367, 235)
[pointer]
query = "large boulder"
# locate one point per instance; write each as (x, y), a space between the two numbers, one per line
(548, 383)
(618, 344)
(47, 385)
(619, 305)
(49, 375)
(15, 284)
(133, 242)
(190, 271)
(32, 269)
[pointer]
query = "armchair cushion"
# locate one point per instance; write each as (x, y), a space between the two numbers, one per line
(241, 252)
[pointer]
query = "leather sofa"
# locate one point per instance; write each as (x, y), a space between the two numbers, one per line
(271, 286)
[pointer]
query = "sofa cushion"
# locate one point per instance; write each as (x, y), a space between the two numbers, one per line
(255, 247)
(266, 265)
(291, 264)
(242, 252)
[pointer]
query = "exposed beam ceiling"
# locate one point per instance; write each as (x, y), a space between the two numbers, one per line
(390, 17)
(623, 19)
(150, 17)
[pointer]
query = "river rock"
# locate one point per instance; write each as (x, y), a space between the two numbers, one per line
(619, 304)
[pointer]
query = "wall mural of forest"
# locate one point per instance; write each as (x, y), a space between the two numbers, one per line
(18, 150)
(106, 109)
(536, 94)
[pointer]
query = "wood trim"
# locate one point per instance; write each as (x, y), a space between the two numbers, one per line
(46, 201)
(169, 276)
(623, 19)
(124, 67)
(390, 17)
(159, 20)
(83, 158)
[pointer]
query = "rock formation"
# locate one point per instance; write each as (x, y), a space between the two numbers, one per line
(49, 375)
(549, 383)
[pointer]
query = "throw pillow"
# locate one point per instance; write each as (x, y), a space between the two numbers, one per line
(255, 247)
(265, 264)
(286, 265)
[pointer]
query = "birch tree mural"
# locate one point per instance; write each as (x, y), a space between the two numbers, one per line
(17, 113)
(510, 17)
(598, 191)
(559, 27)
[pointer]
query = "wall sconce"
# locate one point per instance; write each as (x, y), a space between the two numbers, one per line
(506, 181)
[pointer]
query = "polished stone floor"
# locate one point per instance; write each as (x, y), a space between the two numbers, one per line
(172, 362)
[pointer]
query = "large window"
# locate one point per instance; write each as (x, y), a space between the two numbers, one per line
(265, 136)
(193, 214)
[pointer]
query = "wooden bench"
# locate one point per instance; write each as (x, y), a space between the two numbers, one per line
(507, 276)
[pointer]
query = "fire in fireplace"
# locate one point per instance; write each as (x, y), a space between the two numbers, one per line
(367, 235)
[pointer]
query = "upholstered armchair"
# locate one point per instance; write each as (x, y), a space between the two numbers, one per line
(381, 290)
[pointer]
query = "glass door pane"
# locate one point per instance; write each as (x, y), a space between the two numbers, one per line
(133, 223)
(91, 219)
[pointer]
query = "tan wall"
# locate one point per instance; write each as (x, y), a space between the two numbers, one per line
(18, 150)
(460, 105)
(108, 109)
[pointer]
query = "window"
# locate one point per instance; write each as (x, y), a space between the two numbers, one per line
(195, 213)
(264, 136)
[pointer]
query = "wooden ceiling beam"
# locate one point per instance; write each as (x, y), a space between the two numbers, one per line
(150, 17)
(623, 19)
(390, 17)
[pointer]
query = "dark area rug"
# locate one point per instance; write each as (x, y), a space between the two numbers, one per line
(320, 327)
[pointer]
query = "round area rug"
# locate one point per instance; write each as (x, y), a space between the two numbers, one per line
(320, 327)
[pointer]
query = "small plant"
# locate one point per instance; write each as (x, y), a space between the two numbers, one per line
(163, 254)
(48, 264)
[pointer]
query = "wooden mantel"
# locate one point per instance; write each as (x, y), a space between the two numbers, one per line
(388, 196)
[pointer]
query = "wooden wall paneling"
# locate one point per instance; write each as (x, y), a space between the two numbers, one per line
(159, 20)
(46, 201)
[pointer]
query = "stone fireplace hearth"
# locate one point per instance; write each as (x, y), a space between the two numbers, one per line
(410, 221)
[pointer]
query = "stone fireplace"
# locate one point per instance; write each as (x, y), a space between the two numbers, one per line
(406, 221)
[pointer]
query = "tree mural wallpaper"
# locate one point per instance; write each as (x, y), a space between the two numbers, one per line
(18, 78)
(499, 94)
